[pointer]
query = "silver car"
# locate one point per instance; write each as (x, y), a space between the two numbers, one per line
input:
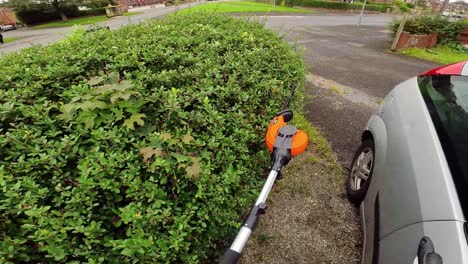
(7, 27)
(410, 174)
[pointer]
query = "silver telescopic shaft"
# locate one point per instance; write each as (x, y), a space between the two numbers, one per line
(267, 187)
(244, 234)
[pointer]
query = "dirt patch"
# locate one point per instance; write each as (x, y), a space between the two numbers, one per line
(308, 219)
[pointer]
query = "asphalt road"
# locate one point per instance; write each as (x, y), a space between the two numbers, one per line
(30, 37)
(351, 70)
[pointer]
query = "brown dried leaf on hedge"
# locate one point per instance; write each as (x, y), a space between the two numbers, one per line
(194, 170)
(149, 152)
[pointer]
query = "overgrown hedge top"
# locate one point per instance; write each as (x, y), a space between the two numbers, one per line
(138, 145)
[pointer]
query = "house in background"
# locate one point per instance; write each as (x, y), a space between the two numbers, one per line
(458, 7)
(7, 17)
(436, 4)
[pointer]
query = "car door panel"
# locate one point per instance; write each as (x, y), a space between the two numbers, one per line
(416, 182)
(448, 238)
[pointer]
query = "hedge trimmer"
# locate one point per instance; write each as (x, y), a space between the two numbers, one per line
(284, 141)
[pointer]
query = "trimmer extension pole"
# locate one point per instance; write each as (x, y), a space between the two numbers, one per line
(280, 157)
(284, 142)
(233, 254)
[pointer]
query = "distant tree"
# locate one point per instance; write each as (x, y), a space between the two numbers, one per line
(421, 3)
(19, 4)
(56, 5)
(59, 5)
(444, 6)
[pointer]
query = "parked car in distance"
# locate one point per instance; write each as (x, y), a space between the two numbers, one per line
(7, 27)
(410, 173)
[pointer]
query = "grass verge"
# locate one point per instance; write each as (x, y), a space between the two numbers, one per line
(131, 13)
(6, 40)
(309, 218)
(243, 7)
(80, 21)
(441, 54)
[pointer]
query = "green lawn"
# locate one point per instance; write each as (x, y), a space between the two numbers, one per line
(131, 13)
(242, 7)
(440, 54)
(80, 21)
(6, 40)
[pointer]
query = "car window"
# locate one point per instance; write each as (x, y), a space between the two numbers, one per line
(446, 98)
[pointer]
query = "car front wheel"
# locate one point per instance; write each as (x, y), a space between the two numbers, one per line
(361, 172)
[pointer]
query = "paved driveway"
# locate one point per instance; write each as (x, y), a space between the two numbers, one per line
(350, 71)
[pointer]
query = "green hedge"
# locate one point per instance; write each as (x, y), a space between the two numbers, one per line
(338, 5)
(91, 12)
(371, 2)
(426, 24)
(373, 7)
(142, 145)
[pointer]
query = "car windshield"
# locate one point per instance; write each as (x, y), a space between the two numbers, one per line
(446, 98)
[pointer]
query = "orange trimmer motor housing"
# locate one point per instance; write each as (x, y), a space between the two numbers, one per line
(299, 141)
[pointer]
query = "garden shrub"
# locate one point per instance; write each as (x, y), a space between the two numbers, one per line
(402, 6)
(370, 2)
(426, 24)
(289, 3)
(91, 12)
(138, 145)
(338, 5)
(381, 7)
(457, 47)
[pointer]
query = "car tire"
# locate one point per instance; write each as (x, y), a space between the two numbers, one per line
(361, 171)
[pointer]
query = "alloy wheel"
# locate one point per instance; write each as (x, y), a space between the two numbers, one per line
(361, 169)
